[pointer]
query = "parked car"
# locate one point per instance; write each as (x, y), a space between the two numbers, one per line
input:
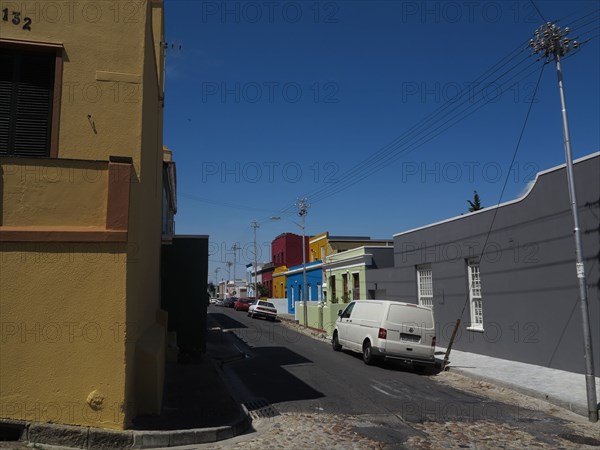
(214, 301)
(260, 308)
(229, 302)
(387, 329)
(220, 302)
(242, 304)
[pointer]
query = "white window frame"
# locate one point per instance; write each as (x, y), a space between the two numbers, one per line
(475, 296)
(425, 285)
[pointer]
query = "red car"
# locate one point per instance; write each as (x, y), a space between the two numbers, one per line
(242, 304)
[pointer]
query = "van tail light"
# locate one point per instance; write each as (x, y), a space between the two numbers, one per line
(382, 333)
(433, 342)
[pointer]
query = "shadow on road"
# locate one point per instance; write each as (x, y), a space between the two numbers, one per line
(265, 376)
(402, 366)
(226, 322)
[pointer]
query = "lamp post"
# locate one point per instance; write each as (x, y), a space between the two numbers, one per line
(551, 40)
(255, 225)
(229, 264)
(235, 248)
(302, 210)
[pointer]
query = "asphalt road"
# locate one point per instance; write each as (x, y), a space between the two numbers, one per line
(294, 373)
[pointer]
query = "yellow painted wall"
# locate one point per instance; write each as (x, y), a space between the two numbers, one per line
(279, 282)
(63, 320)
(111, 105)
(147, 358)
(314, 248)
(53, 193)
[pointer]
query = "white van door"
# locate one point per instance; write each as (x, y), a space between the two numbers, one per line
(344, 323)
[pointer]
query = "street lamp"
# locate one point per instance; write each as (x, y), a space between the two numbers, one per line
(255, 225)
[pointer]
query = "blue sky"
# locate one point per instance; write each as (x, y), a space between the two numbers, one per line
(270, 101)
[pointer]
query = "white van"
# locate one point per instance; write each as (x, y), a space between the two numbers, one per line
(387, 329)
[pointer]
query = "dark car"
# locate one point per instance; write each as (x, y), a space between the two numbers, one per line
(242, 304)
(229, 302)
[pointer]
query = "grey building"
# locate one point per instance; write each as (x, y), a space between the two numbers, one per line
(518, 299)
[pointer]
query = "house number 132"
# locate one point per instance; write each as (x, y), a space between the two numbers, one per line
(16, 19)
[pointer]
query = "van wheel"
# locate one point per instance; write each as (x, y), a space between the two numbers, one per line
(335, 343)
(368, 357)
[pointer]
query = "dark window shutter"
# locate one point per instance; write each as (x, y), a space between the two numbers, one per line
(6, 88)
(28, 93)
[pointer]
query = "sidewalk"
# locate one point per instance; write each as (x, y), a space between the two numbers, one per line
(198, 407)
(559, 387)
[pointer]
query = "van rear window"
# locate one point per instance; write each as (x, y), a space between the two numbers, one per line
(401, 314)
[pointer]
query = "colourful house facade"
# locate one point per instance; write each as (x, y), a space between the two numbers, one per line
(279, 282)
(323, 245)
(348, 273)
(295, 283)
(286, 250)
(80, 214)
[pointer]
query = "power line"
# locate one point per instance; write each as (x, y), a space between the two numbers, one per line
(425, 136)
(389, 152)
(421, 126)
(538, 11)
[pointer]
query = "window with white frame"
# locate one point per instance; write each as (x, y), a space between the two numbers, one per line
(425, 285)
(475, 298)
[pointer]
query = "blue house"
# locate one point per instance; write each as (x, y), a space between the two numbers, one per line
(314, 284)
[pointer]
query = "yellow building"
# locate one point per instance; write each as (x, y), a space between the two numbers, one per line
(322, 245)
(81, 164)
(279, 282)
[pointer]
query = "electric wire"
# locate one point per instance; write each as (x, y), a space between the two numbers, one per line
(538, 11)
(348, 178)
(424, 138)
(514, 156)
(420, 127)
(393, 150)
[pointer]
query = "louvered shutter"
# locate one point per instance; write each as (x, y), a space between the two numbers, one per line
(26, 100)
(6, 88)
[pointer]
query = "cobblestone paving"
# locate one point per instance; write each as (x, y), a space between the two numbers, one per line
(321, 431)
(301, 431)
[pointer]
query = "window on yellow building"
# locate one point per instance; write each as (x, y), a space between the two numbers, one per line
(27, 92)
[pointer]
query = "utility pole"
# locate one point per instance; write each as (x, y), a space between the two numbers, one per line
(255, 225)
(235, 248)
(303, 205)
(217, 277)
(551, 40)
(229, 264)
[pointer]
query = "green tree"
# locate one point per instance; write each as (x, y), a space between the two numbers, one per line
(263, 291)
(476, 203)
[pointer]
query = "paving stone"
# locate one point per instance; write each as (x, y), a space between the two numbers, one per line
(63, 435)
(109, 440)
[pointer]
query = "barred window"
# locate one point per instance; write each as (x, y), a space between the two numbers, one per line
(425, 285)
(475, 297)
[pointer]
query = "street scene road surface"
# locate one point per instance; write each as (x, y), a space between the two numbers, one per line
(302, 394)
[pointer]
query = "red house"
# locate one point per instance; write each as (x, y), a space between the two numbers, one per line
(286, 250)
